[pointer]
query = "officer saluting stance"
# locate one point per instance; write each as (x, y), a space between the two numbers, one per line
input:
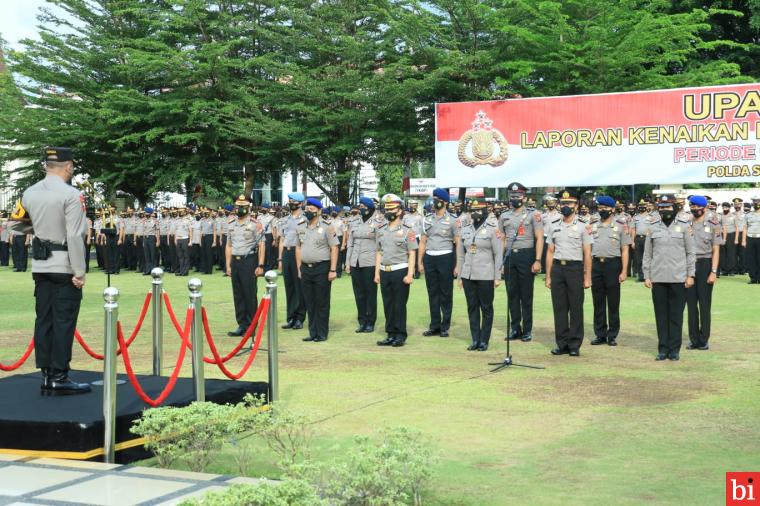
(58, 220)
(245, 260)
(668, 266)
(568, 272)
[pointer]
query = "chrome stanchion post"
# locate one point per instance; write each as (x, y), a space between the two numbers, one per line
(111, 308)
(158, 320)
(196, 338)
(274, 374)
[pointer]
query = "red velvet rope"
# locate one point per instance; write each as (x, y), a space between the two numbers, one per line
(132, 336)
(218, 360)
(175, 374)
(20, 361)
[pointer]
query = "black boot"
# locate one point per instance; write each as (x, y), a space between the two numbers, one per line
(60, 384)
(474, 346)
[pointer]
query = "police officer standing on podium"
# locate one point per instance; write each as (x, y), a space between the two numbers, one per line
(55, 213)
(568, 273)
(244, 255)
(523, 242)
(669, 264)
(437, 260)
(609, 270)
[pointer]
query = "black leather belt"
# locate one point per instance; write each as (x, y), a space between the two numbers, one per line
(242, 257)
(606, 259)
(58, 247)
(314, 264)
(567, 262)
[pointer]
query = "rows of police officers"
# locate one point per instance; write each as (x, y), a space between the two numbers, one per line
(677, 249)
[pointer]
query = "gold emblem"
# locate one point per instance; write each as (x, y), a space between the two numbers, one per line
(483, 137)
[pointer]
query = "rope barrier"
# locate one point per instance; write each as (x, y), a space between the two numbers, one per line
(218, 360)
(20, 361)
(184, 335)
(132, 336)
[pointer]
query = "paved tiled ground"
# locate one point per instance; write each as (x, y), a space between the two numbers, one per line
(54, 482)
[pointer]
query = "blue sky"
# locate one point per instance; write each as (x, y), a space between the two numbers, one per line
(18, 19)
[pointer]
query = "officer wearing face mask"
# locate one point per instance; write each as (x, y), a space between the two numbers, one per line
(751, 241)
(741, 219)
(568, 273)
(728, 249)
(360, 264)
(669, 267)
(244, 257)
(609, 269)
(480, 260)
(437, 250)
(522, 234)
(549, 215)
(286, 261)
(641, 224)
(708, 239)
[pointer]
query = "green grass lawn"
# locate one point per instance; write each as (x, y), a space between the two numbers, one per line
(610, 427)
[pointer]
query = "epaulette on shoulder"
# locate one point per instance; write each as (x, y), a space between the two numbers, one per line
(683, 219)
(557, 220)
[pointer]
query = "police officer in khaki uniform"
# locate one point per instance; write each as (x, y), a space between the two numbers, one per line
(741, 220)
(394, 269)
(609, 269)
(54, 212)
(151, 241)
(286, 261)
(360, 264)
(568, 273)
(244, 257)
(5, 239)
(708, 239)
(751, 242)
(317, 259)
(669, 264)
(523, 242)
(641, 221)
(437, 260)
(728, 249)
(182, 233)
(480, 260)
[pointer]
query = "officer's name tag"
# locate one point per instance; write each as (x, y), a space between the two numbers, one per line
(707, 230)
(484, 232)
(678, 229)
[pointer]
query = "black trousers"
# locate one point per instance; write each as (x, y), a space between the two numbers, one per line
(150, 254)
(631, 254)
(605, 291)
(5, 250)
(752, 258)
(99, 255)
(207, 255)
(20, 253)
(439, 279)
(293, 291)
(519, 285)
(140, 253)
(270, 253)
(128, 259)
(183, 257)
(243, 275)
(173, 255)
(669, 301)
(395, 295)
(57, 308)
(638, 256)
(316, 292)
(741, 259)
(86, 256)
(166, 256)
(479, 295)
(221, 260)
(341, 257)
(195, 256)
(699, 303)
(728, 255)
(112, 257)
(567, 303)
(365, 294)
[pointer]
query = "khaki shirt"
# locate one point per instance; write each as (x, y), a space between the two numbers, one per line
(669, 252)
(266, 221)
(316, 242)
(150, 227)
(741, 220)
(440, 232)
(610, 238)
(642, 223)
(521, 228)
(480, 252)
(244, 236)
(289, 229)
(753, 224)
(414, 221)
(196, 226)
(4, 230)
(182, 227)
(569, 238)
(394, 244)
(707, 233)
(362, 243)
(57, 211)
(164, 226)
(130, 225)
(207, 226)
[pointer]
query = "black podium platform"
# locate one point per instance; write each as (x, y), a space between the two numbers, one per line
(72, 426)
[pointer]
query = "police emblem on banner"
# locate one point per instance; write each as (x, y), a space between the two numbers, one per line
(488, 145)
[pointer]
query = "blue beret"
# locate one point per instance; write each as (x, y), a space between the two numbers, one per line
(148, 210)
(311, 201)
(228, 207)
(698, 200)
(441, 194)
(265, 205)
(605, 200)
(368, 202)
(297, 196)
(326, 211)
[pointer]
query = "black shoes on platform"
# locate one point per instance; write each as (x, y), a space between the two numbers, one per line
(237, 332)
(56, 382)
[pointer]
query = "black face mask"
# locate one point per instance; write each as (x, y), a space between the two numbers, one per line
(757, 206)
(390, 216)
(642, 209)
(667, 217)
(697, 212)
(566, 210)
(197, 218)
(604, 214)
(478, 217)
(516, 203)
(334, 215)
(293, 206)
(439, 204)
(726, 210)
(583, 212)
(310, 215)
(241, 211)
(551, 207)
(366, 214)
